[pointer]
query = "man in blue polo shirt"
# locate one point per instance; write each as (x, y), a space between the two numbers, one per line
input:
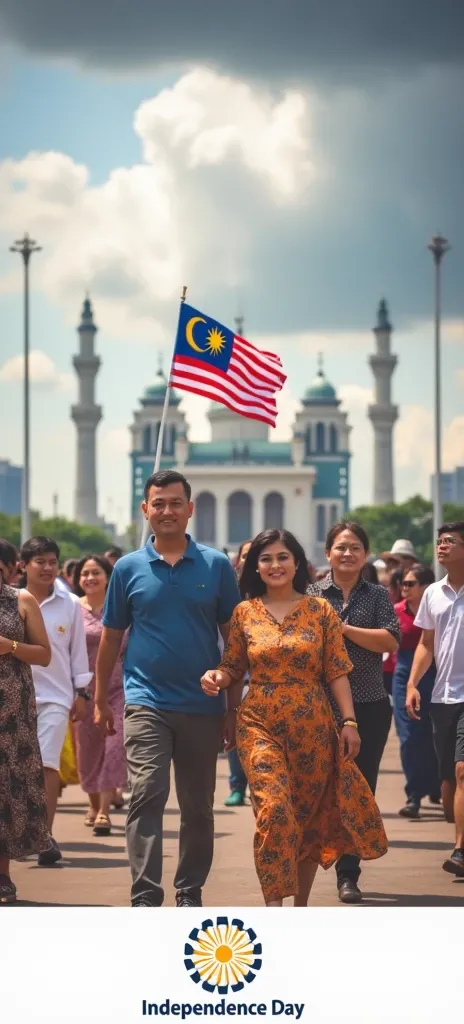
(172, 595)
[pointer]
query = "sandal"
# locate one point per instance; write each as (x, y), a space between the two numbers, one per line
(102, 825)
(90, 818)
(7, 890)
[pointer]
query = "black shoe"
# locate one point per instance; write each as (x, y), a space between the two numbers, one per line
(187, 899)
(435, 798)
(410, 810)
(142, 903)
(50, 856)
(349, 892)
(455, 864)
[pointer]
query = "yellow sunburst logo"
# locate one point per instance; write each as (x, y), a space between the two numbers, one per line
(222, 955)
(215, 341)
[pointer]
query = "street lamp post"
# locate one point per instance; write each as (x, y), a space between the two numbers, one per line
(438, 246)
(26, 246)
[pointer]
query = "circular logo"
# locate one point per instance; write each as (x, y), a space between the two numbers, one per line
(223, 955)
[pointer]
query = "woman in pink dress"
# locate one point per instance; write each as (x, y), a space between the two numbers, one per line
(101, 759)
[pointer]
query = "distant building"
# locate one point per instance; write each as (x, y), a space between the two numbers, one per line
(243, 481)
(452, 487)
(11, 482)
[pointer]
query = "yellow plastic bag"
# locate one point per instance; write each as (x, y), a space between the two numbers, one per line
(68, 767)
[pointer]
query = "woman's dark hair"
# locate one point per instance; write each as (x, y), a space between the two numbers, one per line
(346, 524)
(369, 573)
(251, 584)
(423, 574)
(104, 564)
(396, 580)
(8, 553)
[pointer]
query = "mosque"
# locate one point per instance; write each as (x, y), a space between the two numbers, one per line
(243, 481)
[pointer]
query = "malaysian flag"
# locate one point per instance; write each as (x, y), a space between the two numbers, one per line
(212, 361)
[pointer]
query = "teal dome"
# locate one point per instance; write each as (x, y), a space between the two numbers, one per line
(320, 390)
(154, 394)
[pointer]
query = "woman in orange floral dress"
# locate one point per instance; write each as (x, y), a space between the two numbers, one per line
(311, 803)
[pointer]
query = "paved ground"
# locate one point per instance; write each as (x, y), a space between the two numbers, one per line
(95, 871)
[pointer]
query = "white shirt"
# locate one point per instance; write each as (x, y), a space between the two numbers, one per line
(442, 609)
(69, 667)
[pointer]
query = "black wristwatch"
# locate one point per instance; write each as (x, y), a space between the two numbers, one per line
(85, 694)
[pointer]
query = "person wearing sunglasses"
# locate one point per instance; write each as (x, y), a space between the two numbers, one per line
(417, 751)
(441, 619)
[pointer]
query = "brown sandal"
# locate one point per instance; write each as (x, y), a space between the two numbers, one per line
(90, 818)
(102, 825)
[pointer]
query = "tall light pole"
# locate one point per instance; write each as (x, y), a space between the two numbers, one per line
(438, 246)
(26, 246)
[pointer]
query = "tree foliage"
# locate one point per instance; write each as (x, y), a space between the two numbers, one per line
(412, 520)
(73, 539)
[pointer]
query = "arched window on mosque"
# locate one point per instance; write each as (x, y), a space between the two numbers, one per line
(239, 517)
(320, 437)
(169, 441)
(146, 439)
(320, 524)
(333, 514)
(205, 518)
(333, 438)
(308, 441)
(274, 511)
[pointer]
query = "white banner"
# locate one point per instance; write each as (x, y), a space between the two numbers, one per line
(319, 965)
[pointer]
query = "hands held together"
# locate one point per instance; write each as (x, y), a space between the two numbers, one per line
(213, 681)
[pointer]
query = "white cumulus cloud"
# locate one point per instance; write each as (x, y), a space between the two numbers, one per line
(134, 240)
(42, 372)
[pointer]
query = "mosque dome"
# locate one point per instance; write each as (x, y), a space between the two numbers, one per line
(321, 391)
(154, 393)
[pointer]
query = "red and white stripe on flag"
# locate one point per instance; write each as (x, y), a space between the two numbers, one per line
(248, 387)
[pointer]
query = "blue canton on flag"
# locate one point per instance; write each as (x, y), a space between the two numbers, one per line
(210, 360)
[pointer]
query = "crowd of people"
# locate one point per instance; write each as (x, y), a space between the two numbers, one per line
(170, 655)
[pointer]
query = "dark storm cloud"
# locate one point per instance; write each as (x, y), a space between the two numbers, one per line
(300, 38)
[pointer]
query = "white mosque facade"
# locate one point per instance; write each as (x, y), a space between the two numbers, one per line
(244, 482)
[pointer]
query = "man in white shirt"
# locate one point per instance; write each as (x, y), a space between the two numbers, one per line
(441, 618)
(60, 689)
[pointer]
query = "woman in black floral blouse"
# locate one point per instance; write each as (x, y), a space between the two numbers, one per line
(370, 629)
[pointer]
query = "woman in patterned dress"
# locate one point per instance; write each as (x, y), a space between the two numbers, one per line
(23, 811)
(311, 803)
(101, 759)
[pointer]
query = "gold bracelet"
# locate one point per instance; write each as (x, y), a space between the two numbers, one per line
(14, 646)
(351, 721)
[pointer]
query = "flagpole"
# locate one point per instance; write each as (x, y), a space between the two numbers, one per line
(159, 443)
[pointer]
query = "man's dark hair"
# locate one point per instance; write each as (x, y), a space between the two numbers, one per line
(347, 524)
(8, 553)
(39, 546)
(457, 527)
(164, 478)
(113, 552)
(251, 584)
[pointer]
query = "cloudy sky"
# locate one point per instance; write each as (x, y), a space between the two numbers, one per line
(286, 159)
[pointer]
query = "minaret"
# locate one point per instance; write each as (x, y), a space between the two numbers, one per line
(86, 415)
(382, 413)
